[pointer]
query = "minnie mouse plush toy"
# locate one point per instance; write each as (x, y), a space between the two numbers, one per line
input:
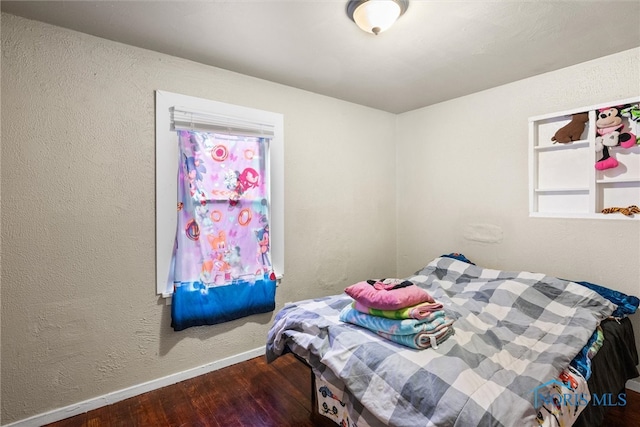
(609, 127)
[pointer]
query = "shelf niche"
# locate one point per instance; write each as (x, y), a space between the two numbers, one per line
(563, 180)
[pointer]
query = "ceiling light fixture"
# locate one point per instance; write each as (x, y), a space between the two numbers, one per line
(375, 16)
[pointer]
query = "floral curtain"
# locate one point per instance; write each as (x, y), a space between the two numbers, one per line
(221, 264)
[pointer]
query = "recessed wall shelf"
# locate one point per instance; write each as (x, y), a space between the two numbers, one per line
(616, 181)
(573, 146)
(563, 179)
(562, 190)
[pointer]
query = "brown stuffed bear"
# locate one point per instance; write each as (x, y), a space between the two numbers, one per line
(572, 130)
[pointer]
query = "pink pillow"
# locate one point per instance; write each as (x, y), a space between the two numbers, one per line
(379, 295)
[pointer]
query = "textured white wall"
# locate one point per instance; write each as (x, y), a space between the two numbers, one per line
(80, 317)
(462, 167)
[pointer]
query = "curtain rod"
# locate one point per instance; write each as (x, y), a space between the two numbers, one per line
(189, 119)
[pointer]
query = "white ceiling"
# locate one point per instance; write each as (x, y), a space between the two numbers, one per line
(438, 50)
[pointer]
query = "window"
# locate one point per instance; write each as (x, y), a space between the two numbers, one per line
(175, 112)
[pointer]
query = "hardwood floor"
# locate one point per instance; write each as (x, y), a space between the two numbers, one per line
(624, 416)
(249, 394)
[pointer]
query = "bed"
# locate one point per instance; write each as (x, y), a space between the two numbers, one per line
(517, 335)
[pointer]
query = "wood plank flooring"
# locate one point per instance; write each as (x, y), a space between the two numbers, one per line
(247, 394)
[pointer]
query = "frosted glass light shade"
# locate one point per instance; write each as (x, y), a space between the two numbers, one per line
(375, 16)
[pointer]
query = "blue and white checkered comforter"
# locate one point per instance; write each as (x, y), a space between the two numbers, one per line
(514, 331)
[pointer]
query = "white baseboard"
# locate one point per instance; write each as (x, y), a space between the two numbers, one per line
(117, 396)
(634, 385)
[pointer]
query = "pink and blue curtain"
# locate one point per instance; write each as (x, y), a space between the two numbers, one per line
(221, 260)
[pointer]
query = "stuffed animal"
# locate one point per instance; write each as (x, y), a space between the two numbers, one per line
(628, 211)
(633, 114)
(572, 131)
(609, 127)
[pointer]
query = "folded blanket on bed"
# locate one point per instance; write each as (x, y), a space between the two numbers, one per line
(392, 326)
(421, 340)
(388, 294)
(425, 311)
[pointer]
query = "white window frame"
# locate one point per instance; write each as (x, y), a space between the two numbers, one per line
(167, 162)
